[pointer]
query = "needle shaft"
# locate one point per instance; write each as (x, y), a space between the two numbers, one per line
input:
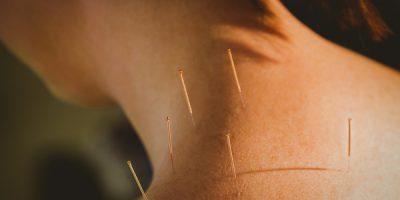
(348, 143)
(235, 75)
(228, 140)
(186, 96)
(171, 155)
(137, 180)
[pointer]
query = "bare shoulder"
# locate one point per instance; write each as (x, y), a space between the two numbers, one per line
(296, 132)
(376, 135)
(368, 93)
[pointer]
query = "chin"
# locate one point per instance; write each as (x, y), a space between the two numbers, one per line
(81, 97)
(73, 87)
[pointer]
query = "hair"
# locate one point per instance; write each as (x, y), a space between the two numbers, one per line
(358, 14)
(349, 14)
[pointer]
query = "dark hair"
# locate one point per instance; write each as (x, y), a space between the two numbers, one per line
(349, 14)
(358, 14)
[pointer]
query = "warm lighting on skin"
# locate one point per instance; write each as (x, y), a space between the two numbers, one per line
(290, 78)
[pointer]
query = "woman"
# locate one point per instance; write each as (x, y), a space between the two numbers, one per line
(289, 123)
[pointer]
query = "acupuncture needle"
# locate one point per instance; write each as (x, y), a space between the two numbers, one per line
(228, 141)
(349, 143)
(186, 96)
(236, 76)
(137, 180)
(171, 155)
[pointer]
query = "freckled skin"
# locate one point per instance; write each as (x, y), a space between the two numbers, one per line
(299, 91)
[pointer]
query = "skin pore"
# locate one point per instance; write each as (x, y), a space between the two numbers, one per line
(299, 91)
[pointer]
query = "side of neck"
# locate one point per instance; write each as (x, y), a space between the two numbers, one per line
(201, 160)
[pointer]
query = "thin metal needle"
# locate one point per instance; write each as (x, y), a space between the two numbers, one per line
(187, 96)
(228, 140)
(349, 143)
(171, 155)
(236, 76)
(349, 138)
(137, 180)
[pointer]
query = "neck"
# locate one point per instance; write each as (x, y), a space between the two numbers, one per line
(151, 90)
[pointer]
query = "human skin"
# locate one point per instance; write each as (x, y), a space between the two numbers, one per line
(299, 91)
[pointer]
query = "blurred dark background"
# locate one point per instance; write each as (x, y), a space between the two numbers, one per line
(51, 150)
